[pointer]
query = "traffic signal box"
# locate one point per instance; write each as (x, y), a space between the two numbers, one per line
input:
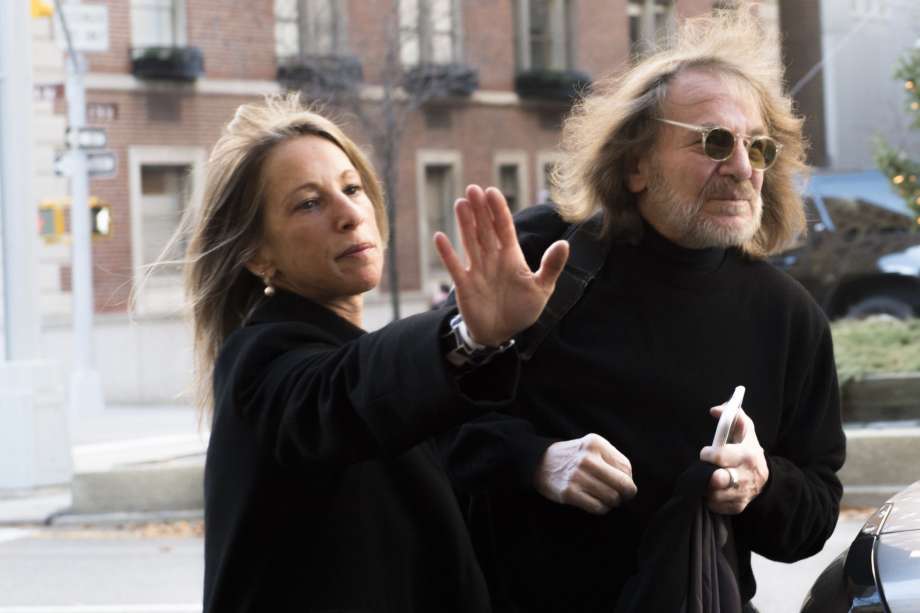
(54, 219)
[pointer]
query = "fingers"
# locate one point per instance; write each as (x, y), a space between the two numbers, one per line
(552, 264)
(449, 257)
(466, 224)
(501, 217)
(729, 491)
(588, 473)
(485, 224)
(587, 502)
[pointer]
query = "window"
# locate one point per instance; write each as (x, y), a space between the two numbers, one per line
(648, 21)
(440, 194)
(309, 28)
(870, 9)
(546, 165)
(509, 183)
(543, 29)
(157, 23)
(429, 31)
(510, 176)
(164, 194)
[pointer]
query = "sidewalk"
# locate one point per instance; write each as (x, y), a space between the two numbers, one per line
(146, 463)
(128, 460)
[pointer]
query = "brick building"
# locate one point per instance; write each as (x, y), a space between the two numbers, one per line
(176, 70)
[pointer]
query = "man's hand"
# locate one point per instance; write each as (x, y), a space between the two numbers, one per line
(743, 471)
(497, 293)
(588, 473)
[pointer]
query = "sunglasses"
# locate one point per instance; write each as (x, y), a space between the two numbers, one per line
(719, 143)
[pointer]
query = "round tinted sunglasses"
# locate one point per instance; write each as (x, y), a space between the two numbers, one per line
(719, 143)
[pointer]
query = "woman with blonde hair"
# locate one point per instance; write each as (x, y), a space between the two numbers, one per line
(321, 492)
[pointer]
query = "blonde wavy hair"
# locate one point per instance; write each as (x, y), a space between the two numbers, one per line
(225, 231)
(612, 127)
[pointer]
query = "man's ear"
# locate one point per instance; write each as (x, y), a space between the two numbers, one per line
(638, 178)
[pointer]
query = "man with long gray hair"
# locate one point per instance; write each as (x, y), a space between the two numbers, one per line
(693, 157)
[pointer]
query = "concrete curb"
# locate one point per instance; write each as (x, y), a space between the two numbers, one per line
(882, 459)
(150, 488)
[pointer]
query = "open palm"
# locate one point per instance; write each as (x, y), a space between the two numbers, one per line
(497, 293)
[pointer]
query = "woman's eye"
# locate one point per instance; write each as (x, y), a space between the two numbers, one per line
(307, 205)
(352, 189)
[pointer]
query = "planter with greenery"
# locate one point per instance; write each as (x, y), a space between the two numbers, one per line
(878, 365)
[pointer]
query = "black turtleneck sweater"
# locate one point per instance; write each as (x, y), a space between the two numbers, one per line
(661, 335)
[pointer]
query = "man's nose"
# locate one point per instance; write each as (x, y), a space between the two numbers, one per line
(738, 165)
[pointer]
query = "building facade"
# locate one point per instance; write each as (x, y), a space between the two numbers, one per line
(486, 85)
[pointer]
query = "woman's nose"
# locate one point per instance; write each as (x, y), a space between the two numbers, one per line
(348, 214)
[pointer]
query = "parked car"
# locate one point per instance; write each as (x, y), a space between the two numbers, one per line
(880, 571)
(861, 255)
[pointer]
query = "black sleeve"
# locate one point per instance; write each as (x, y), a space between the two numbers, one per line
(797, 510)
(310, 402)
(496, 451)
(500, 450)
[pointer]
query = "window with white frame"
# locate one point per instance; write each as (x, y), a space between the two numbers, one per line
(157, 23)
(429, 31)
(164, 196)
(510, 176)
(649, 20)
(546, 166)
(309, 28)
(161, 181)
(543, 34)
(440, 193)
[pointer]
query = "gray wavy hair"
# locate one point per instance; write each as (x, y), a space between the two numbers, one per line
(614, 125)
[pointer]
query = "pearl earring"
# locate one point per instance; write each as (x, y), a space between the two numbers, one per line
(269, 290)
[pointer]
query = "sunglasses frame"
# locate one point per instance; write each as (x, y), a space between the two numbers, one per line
(747, 140)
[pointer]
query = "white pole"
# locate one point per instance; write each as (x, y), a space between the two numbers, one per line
(34, 438)
(20, 292)
(85, 386)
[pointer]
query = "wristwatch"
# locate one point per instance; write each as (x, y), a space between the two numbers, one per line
(463, 352)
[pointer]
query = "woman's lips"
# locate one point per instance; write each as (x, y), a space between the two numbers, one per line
(355, 249)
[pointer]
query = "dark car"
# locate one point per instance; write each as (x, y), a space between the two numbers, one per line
(880, 571)
(861, 255)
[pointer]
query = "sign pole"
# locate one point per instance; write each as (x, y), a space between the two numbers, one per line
(85, 386)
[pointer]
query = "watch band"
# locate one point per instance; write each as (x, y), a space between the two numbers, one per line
(465, 353)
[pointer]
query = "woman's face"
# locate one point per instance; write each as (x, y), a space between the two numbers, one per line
(320, 236)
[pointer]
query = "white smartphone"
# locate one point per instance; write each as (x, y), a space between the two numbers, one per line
(729, 416)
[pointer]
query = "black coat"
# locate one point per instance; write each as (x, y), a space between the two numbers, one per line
(320, 492)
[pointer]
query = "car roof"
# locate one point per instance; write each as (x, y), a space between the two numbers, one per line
(869, 185)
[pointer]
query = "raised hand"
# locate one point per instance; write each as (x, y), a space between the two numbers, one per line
(497, 293)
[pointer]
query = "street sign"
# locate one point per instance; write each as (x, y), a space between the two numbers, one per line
(88, 25)
(86, 138)
(99, 164)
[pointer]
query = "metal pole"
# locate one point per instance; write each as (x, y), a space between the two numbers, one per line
(85, 385)
(20, 292)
